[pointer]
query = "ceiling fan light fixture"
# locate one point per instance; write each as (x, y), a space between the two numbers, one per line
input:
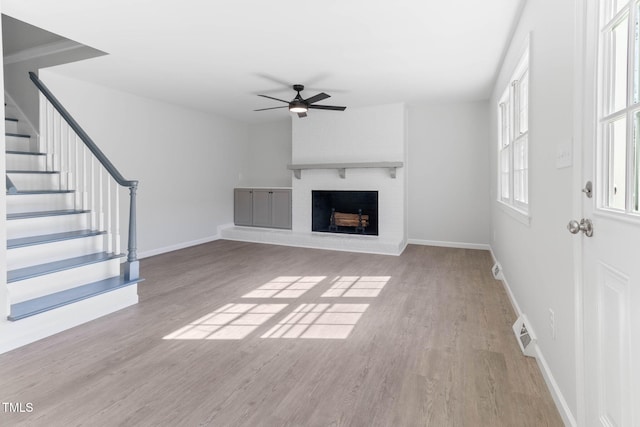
(298, 107)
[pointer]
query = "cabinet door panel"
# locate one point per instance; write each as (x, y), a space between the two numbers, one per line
(262, 208)
(243, 207)
(281, 208)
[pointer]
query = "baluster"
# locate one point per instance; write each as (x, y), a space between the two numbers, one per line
(50, 130)
(55, 141)
(76, 169)
(70, 170)
(108, 235)
(85, 194)
(63, 170)
(60, 145)
(100, 200)
(116, 236)
(92, 191)
(42, 111)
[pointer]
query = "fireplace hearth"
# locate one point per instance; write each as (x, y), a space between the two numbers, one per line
(345, 212)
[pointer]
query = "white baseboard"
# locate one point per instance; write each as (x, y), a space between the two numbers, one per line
(507, 288)
(177, 246)
(324, 241)
(460, 245)
(558, 397)
(549, 379)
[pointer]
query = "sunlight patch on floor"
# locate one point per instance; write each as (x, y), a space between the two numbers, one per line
(357, 286)
(230, 322)
(319, 321)
(285, 287)
(311, 320)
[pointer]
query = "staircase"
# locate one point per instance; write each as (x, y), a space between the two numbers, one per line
(63, 239)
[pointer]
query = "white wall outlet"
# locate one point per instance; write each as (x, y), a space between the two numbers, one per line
(552, 323)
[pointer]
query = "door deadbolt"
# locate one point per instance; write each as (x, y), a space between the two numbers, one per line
(585, 225)
(588, 189)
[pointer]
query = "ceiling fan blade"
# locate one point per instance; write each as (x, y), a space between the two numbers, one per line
(316, 98)
(302, 114)
(327, 107)
(271, 97)
(271, 108)
(274, 79)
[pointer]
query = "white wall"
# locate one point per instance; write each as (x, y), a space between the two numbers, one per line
(269, 153)
(371, 134)
(187, 162)
(4, 300)
(449, 174)
(537, 258)
(20, 87)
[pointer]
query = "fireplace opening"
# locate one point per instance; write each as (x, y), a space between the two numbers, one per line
(348, 212)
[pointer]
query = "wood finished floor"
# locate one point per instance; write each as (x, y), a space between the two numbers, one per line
(434, 348)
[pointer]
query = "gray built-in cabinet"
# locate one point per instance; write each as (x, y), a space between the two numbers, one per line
(262, 207)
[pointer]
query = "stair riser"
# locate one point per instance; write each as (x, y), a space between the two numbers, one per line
(35, 181)
(35, 287)
(28, 227)
(19, 203)
(20, 162)
(10, 126)
(30, 329)
(14, 143)
(49, 252)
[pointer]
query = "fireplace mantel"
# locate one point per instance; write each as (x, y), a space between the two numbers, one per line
(342, 167)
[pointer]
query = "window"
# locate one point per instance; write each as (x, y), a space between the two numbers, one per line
(513, 156)
(619, 109)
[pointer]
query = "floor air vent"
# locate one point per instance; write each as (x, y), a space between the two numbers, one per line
(525, 336)
(496, 270)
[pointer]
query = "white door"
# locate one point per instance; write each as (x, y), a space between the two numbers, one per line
(610, 258)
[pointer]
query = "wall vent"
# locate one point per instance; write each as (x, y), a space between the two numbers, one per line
(496, 270)
(525, 336)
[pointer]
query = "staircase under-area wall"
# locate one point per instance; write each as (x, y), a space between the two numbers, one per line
(63, 227)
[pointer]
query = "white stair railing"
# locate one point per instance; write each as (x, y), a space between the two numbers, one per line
(84, 169)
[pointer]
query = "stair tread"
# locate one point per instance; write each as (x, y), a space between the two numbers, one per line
(25, 153)
(33, 172)
(48, 238)
(24, 215)
(31, 192)
(53, 267)
(68, 296)
(17, 135)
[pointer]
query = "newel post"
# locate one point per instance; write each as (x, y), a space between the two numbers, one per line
(132, 267)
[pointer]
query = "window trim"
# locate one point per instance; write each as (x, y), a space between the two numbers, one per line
(511, 99)
(607, 114)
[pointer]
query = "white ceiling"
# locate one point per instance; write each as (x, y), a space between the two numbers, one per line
(216, 56)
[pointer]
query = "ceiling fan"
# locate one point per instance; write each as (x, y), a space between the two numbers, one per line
(300, 105)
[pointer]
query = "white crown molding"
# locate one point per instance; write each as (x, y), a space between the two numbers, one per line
(40, 51)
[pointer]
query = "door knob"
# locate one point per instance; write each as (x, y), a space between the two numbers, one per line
(585, 225)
